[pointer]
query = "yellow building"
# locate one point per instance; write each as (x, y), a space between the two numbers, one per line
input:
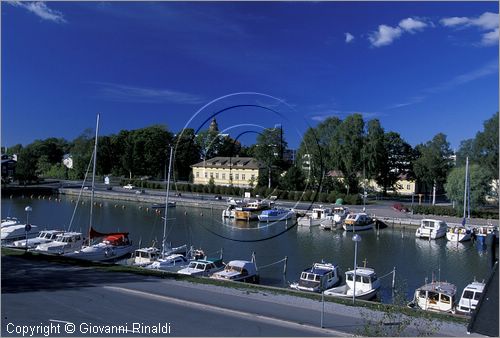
(403, 186)
(236, 171)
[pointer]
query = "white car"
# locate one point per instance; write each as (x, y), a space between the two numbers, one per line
(128, 186)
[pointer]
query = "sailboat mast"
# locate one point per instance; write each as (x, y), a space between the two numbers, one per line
(466, 185)
(166, 203)
(93, 176)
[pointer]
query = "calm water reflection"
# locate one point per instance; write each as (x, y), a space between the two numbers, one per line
(414, 259)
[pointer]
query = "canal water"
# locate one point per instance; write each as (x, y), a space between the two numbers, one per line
(414, 259)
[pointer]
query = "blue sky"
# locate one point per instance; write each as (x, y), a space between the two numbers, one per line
(420, 68)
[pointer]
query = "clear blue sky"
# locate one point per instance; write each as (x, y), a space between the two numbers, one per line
(420, 68)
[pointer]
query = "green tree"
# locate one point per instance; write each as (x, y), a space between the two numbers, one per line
(487, 146)
(268, 150)
(209, 142)
(81, 150)
(433, 163)
(397, 161)
(187, 153)
(374, 152)
(293, 180)
(14, 150)
(479, 183)
(346, 149)
(26, 165)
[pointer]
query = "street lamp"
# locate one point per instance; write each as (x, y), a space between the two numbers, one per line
(27, 228)
(356, 238)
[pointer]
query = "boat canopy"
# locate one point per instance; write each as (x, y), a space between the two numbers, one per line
(96, 234)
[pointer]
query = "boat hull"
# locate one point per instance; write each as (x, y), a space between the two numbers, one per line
(345, 292)
(101, 254)
(355, 227)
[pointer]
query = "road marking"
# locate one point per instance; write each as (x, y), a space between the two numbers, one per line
(213, 308)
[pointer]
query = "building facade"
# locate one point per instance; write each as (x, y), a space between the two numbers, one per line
(236, 171)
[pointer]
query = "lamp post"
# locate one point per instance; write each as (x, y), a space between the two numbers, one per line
(27, 228)
(356, 238)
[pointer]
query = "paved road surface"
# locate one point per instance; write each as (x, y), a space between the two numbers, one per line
(42, 294)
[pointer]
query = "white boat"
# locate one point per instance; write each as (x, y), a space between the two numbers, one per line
(240, 271)
(64, 243)
(334, 220)
(459, 234)
(44, 236)
(172, 263)
(435, 296)
(162, 205)
(112, 247)
(358, 222)
(367, 285)
(10, 221)
(203, 267)
(315, 217)
(482, 231)
(431, 228)
(229, 212)
(17, 232)
(275, 214)
(470, 297)
(319, 277)
(146, 256)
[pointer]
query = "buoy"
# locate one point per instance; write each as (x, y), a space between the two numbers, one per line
(123, 207)
(50, 198)
(140, 207)
(11, 196)
(147, 209)
(185, 212)
(31, 196)
(116, 205)
(201, 214)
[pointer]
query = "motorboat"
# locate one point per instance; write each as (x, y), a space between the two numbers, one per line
(358, 222)
(44, 236)
(431, 228)
(482, 231)
(171, 263)
(8, 221)
(240, 271)
(339, 214)
(367, 285)
(459, 234)
(203, 267)
(64, 243)
(319, 277)
(470, 297)
(146, 256)
(16, 232)
(315, 217)
(229, 212)
(275, 214)
(112, 247)
(436, 296)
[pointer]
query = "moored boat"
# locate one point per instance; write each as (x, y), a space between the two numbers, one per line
(8, 221)
(17, 232)
(44, 236)
(315, 217)
(367, 285)
(275, 214)
(64, 243)
(317, 278)
(470, 297)
(238, 271)
(112, 247)
(435, 296)
(338, 216)
(358, 222)
(431, 228)
(203, 267)
(459, 234)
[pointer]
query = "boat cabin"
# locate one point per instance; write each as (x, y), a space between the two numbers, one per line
(319, 277)
(366, 279)
(470, 297)
(202, 267)
(238, 270)
(146, 255)
(320, 213)
(436, 296)
(431, 228)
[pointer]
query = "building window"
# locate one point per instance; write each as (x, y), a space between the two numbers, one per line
(237, 176)
(253, 177)
(197, 174)
(217, 175)
(242, 176)
(211, 175)
(230, 177)
(206, 175)
(407, 187)
(223, 176)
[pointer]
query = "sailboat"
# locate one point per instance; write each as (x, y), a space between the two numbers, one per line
(462, 233)
(166, 258)
(113, 245)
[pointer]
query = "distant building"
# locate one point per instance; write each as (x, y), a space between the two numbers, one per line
(236, 171)
(68, 161)
(8, 167)
(289, 155)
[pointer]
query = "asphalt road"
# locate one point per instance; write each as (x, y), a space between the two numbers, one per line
(41, 295)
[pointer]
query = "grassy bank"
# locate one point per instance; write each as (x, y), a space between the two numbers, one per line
(113, 268)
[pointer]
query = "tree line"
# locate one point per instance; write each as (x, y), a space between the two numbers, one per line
(355, 149)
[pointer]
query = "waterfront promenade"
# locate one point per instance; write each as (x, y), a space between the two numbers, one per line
(88, 298)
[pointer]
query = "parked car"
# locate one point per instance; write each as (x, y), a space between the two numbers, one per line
(128, 186)
(400, 207)
(218, 197)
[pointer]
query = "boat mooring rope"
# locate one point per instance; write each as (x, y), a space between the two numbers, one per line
(268, 265)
